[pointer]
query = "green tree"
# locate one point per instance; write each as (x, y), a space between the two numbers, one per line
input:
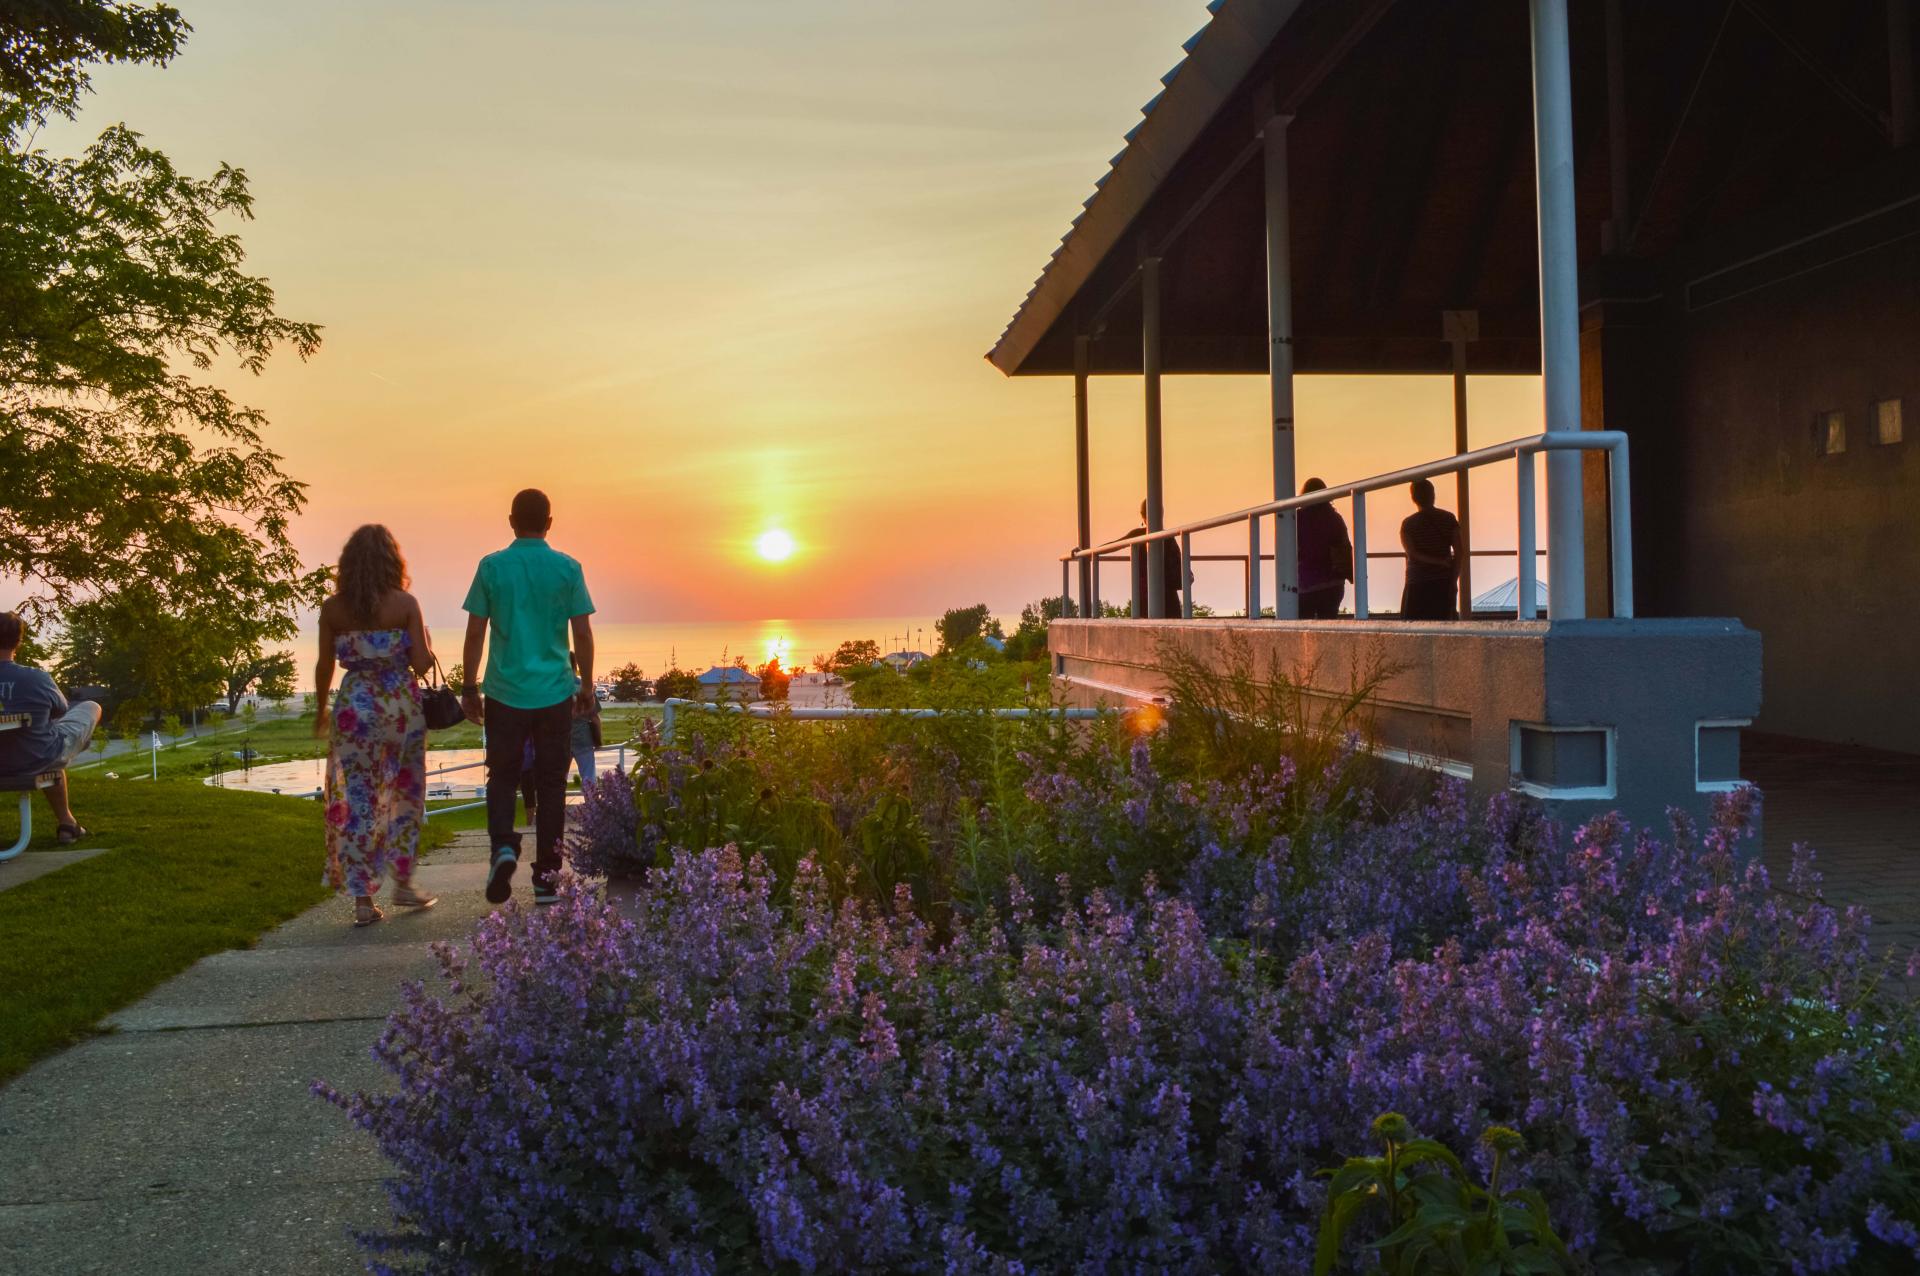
(628, 684)
(457, 678)
(267, 674)
(774, 680)
(120, 291)
(852, 654)
(960, 624)
(676, 684)
(151, 661)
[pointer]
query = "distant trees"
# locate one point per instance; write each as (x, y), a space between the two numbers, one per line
(849, 655)
(961, 624)
(676, 684)
(121, 292)
(268, 675)
(151, 661)
(774, 680)
(628, 683)
(457, 679)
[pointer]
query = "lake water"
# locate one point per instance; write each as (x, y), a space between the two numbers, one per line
(694, 644)
(305, 776)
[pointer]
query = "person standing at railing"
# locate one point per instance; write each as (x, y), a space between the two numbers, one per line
(1326, 556)
(1431, 537)
(531, 595)
(586, 731)
(1170, 570)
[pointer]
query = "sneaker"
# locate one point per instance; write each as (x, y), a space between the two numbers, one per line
(545, 893)
(500, 877)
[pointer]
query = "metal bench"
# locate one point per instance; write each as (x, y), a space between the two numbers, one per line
(25, 786)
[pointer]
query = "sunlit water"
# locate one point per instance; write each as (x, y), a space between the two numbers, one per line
(306, 776)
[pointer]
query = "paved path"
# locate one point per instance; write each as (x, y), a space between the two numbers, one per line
(1860, 811)
(186, 1142)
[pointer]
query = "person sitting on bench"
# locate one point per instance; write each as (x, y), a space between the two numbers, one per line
(55, 732)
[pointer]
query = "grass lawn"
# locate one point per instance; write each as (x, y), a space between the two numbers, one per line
(189, 870)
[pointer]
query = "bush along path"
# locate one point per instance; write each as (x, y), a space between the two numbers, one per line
(1180, 1000)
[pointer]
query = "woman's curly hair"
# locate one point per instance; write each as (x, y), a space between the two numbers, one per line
(371, 566)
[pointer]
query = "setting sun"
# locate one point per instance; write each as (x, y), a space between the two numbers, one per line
(776, 546)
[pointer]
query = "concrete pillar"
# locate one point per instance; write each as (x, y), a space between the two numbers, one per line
(1559, 304)
(1150, 374)
(1286, 559)
(1084, 525)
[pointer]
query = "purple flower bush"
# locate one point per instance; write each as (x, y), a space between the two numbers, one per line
(761, 1069)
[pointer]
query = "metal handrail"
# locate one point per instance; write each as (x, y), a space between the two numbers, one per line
(1521, 451)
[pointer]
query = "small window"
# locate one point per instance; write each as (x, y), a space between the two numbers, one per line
(1830, 433)
(1887, 426)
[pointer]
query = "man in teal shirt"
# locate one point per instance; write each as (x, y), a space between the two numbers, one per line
(531, 595)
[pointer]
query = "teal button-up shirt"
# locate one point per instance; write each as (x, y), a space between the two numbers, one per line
(528, 592)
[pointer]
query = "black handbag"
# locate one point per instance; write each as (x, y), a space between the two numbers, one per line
(438, 703)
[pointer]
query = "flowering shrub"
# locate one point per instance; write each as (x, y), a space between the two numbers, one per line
(752, 1074)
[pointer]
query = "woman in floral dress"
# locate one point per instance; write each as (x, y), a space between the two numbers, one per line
(377, 735)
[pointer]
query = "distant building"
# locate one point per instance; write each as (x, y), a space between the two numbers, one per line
(728, 682)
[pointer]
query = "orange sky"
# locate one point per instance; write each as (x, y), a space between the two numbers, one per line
(703, 269)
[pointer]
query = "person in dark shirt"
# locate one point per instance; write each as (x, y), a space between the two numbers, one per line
(1431, 537)
(53, 732)
(1325, 557)
(1171, 574)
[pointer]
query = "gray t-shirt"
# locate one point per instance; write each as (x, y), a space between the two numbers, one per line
(36, 746)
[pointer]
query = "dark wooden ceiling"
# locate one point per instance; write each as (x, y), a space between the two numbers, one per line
(1412, 174)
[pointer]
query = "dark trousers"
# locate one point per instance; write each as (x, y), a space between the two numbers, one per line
(1430, 600)
(508, 730)
(1321, 604)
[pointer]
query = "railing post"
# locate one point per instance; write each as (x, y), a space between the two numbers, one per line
(1253, 568)
(1186, 575)
(1523, 605)
(1286, 562)
(1137, 560)
(1622, 521)
(1360, 609)
(1150, 374)
(1093, 611)
(1066, 593)
(666, 721)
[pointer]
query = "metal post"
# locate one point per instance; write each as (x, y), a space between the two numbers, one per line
(1094, 612)
(1900, 71)
(1559, 306)
(1137, 568)
(1066, 594)
(1186, 575)
(1523, 605)
(1459, 327)
(1081, 485)
(1286, 558)
(1622, 528)
(1360, 556)
(1150, 373)
(1253, 572)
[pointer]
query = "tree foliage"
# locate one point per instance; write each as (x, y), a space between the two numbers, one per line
(850, 654)
(266, 674)
(962, 623)
(129, 469)
(628, 683)
(151, 661)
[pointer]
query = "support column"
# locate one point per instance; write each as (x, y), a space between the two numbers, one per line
(1150, 373)
(1084, 525)
(1459, 327)
(1286, 558)
(1559, 305)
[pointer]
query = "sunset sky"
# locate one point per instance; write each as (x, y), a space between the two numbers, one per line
(707, 270)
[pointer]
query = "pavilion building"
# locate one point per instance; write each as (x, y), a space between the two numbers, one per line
(1698, 223)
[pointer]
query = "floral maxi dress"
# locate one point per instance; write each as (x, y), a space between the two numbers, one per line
(376, 763)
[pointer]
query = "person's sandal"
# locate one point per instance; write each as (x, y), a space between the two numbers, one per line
(366, 914)
(68, 834)
(404, 896)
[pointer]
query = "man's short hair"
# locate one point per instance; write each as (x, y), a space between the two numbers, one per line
(12, 630)
(531, 510)
(1422, 492)
(1314, 485)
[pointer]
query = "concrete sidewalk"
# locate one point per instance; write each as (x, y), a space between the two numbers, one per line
(186, 1140)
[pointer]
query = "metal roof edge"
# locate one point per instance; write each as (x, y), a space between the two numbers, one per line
(1218, 58)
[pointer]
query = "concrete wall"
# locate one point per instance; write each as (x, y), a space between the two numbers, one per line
(1451, 693)
(1737, 512)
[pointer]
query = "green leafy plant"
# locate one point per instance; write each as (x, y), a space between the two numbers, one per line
(1438, 1221)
